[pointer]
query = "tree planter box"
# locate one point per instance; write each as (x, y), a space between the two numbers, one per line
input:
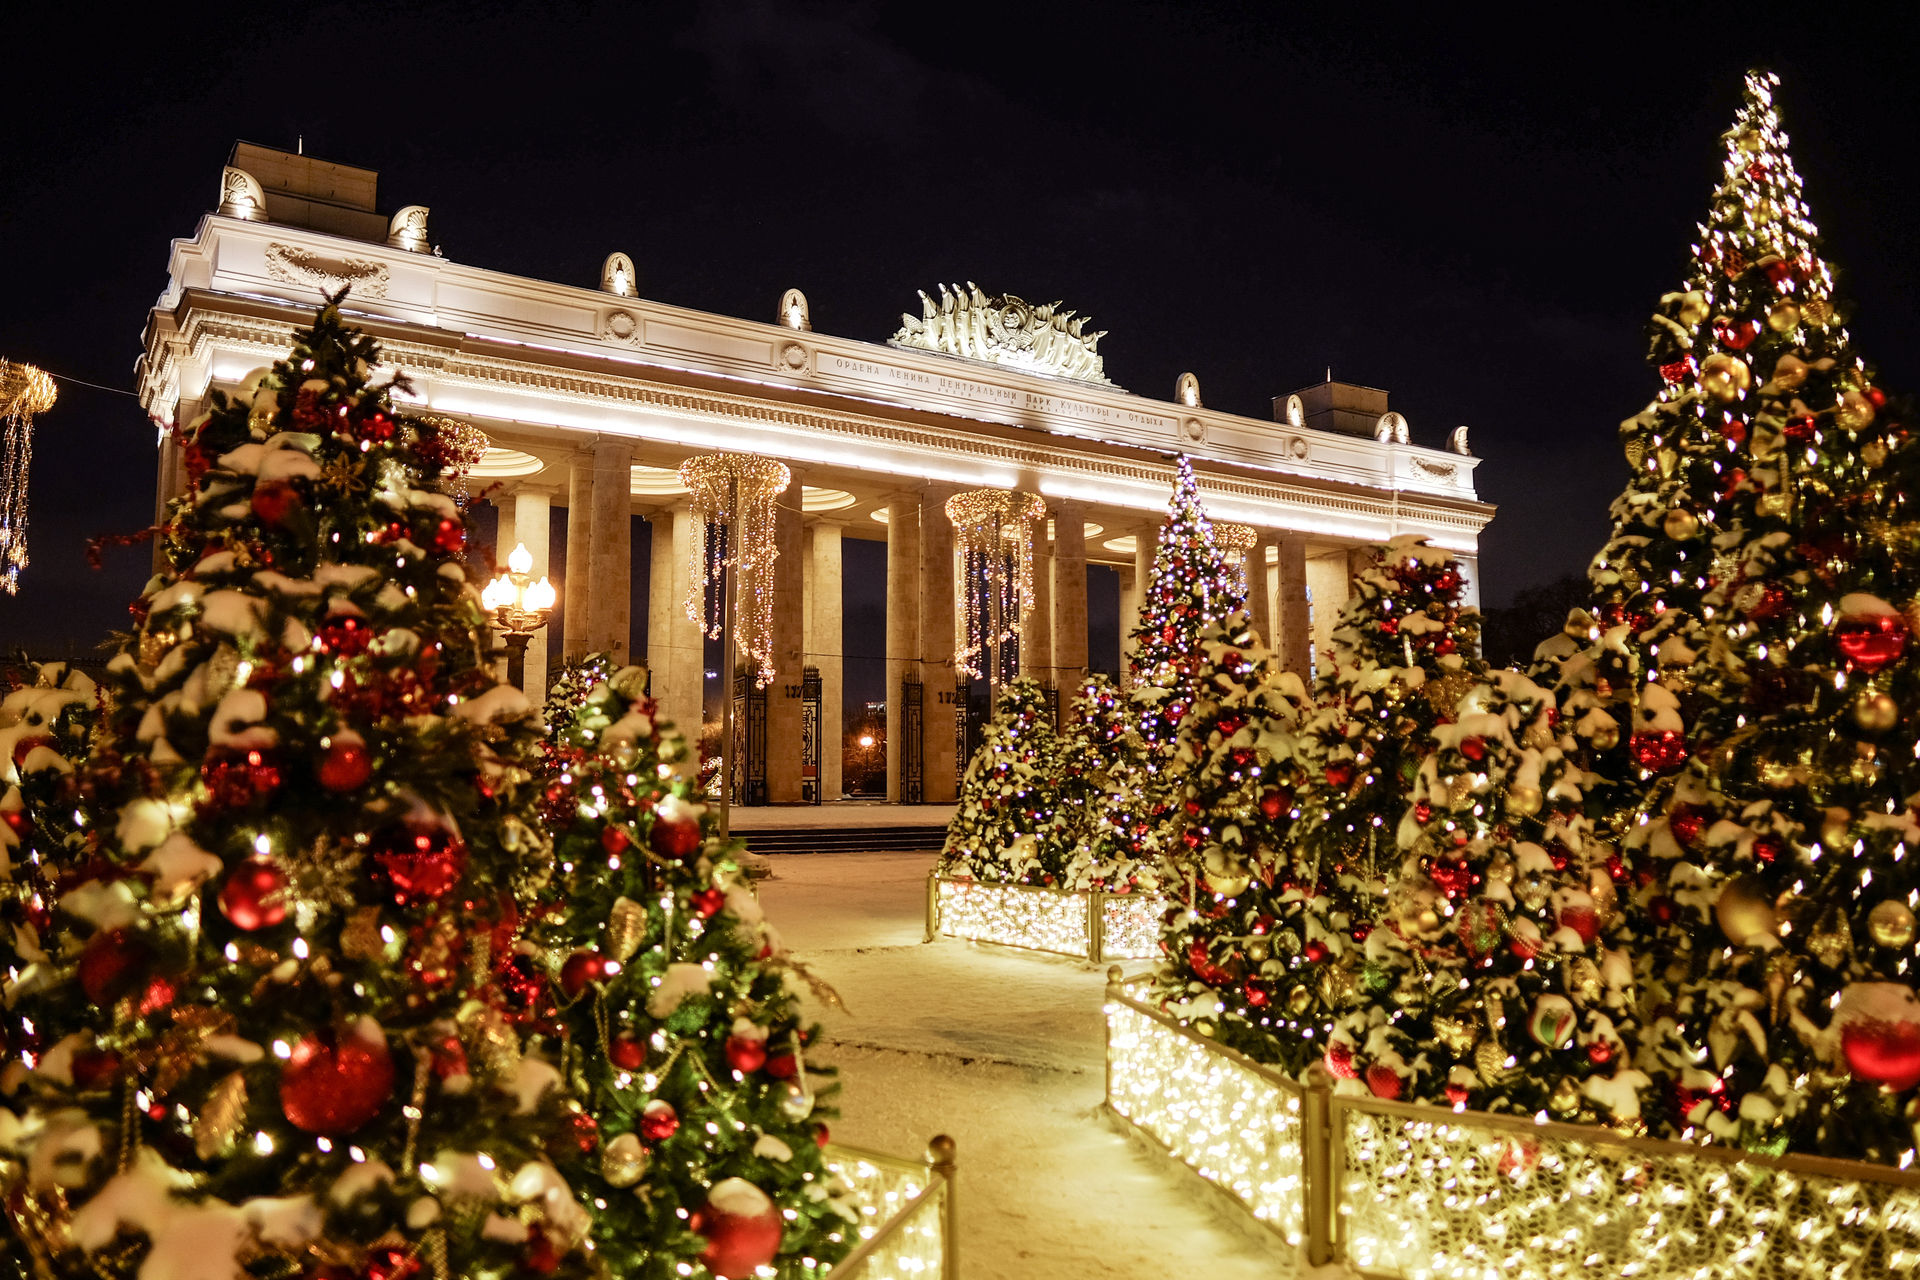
(1091, 924)
(906, 1229)
(1420, 1193)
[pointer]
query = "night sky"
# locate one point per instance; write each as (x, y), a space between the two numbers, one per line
(1475, 218)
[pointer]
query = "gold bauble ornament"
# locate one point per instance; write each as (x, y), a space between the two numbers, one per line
(219, 1117)
(1228, 886)
(1782, 316)
(1831, 941)
(623, 1160)
(1854, 411)
(1680, 525)
(1890, 923)
(1258, 950)
(1606, 897)
(1874, 453)
(1693, 307)
(1818, 311)
(1875, 712)
(1777, 503)
(1492, 1063)
(1457, 1034)
(1524, 801)
(626, 927)
(1565, 1098)
(1299, 1000)
(1744, 910)
(1725, 378)
(1605, 737)
(1415, 903)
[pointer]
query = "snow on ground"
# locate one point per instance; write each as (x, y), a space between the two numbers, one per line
(1003, 1050)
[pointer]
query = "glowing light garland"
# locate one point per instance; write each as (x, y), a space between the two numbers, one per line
(1426, 1194)
(24, 392)
(1043, 919)
(903, 1217)
(729, 489)
(993, 542)
(457, 446)
(1240, 539)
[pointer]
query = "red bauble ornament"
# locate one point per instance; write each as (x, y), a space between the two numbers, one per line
(1384, 1081)
(1272, 805)
(614, 840)
(1678, 370)
(1474, 749)
(1886, 1053)
(275, 501)
(742, 1228)
(1315, 951)
(252, 897)
(338, 1081)
(1340, 1060)
(659, 1121)
(26, 744)
(708, 903)
(1685, 822)
(627, 1051)
(1256, 995)
(1423, 813)
(347, 765)
(1451, 875)
(1871, 641)
(581, 970)
(1457, 1094)
(422, 861)
(345, 637)
(1738, 336)
(1339, 773)
(113, 963)
(449, 537)
(746, 1054)
(377, 427)
(1768, 848)
(1583, 921)
(1599, 1053)
(674, 835)
(1660, 751)
(449, 1057)
(782, 1066)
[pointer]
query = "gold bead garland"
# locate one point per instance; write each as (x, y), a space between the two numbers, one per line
(724, 487)
(993, 544)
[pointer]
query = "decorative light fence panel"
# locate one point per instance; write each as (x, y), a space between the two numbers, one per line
(1411, 1192)
(906, 1227)
(1093, 925)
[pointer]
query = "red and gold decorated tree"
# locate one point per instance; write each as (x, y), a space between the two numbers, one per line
(655, 965)
(275, 966)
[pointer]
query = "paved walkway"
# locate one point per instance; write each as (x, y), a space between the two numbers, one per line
(1004, 1050)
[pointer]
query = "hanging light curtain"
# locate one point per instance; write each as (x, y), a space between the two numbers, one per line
(1241, 538)
(993, 541)
(24, 392)
(726, 489)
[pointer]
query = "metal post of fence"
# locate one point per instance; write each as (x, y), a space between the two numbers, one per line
(1096, 926)
(933, 906)
(941, 1155)
(1317, 1156)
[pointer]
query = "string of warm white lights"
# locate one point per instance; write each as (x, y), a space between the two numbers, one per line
(993, 541)
(1056, 920)
(1240, 540)
(24, 392)
(735, 491)
(457, 445)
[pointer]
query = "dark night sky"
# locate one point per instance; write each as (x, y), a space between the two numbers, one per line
(1475, 218)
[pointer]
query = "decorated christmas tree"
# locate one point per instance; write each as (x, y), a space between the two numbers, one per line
(1007, 826)
(1190, 589)
(1501, 977)
(686, 1040)
(1249, 929)
(1787, 891)
(567, 695)
(1105, 842)
(313, 822)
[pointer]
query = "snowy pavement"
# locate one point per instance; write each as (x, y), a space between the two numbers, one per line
(1003, 1050)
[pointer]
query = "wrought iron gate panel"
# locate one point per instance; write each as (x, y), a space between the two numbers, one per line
(750, 740)
(913, 763)
(810, 735)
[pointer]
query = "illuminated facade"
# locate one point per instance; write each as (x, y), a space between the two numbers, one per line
(592, 397)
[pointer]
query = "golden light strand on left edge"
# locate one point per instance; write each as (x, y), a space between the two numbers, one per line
(24, 393)
(724, 487)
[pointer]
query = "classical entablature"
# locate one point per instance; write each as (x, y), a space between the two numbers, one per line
(1005, 330)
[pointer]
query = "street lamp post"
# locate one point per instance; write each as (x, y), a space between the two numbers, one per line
(518, 606)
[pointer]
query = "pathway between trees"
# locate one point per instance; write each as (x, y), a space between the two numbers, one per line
(1004, 1050)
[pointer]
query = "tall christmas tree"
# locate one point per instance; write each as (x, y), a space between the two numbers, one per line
(313, 822)
(1249, 929)
(1190, 589)
(1101, 760)
(1787, 887)
(1007, 826)
(686, 1041)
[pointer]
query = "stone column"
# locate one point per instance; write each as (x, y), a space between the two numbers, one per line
(1036, 639)
(1146, 542)
(1294, 643)
(1069, 629)
(903, 624)
(785, 715)
(578, 643)
(675, 652)
(530, 511)
(826, 649)
(1259, 598)
(937, 673)
(610, 548)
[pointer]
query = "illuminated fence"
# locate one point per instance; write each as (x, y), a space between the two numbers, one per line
(906, 1209)
(1091, 924)
(1415, 1192)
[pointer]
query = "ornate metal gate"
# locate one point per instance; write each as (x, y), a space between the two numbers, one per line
(913, 758)
(810, 735)
(750, 746)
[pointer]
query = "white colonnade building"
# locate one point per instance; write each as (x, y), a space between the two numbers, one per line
(591, 396)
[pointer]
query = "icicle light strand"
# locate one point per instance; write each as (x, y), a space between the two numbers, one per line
(722, 488)
(24, 393)
(993, 542)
